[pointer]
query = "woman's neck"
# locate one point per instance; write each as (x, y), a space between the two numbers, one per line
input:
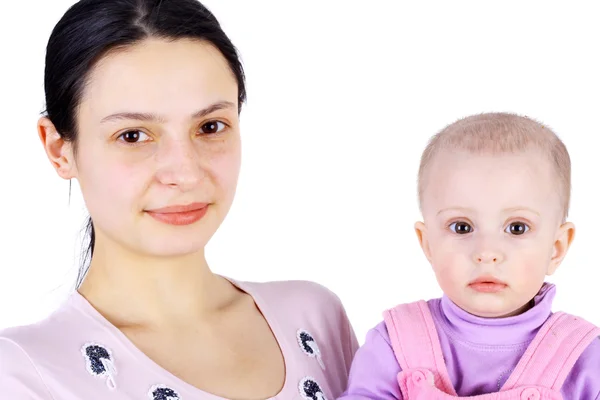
(133, 289)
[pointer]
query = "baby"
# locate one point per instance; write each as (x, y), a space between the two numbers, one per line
(494, 193)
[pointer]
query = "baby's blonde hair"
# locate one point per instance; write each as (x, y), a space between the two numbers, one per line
(499, 133)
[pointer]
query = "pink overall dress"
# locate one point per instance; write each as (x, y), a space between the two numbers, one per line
(539, 374)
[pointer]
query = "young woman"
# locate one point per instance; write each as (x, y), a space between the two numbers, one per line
(143, 99)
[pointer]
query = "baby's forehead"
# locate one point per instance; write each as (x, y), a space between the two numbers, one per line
(491, 182)
(492, 142)
(468, 162)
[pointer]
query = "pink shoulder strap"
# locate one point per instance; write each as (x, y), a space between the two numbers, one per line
(415, 341)
(553, 352)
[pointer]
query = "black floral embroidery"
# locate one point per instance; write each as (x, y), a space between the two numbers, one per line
(162, 392)
(100, 362)
(309, 346)
(310, 389)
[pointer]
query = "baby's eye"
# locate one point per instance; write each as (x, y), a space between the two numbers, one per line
(461, 228)
(134, 136)
(212, 127)
(517, 228)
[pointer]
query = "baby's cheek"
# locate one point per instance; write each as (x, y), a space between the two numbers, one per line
(449, 272)
(533, 260)
(531, 273)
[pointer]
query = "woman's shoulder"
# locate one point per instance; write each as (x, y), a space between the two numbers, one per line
(299, 303)
(47, 333)
(27, 353)
(19, 375)
(58, 338)
(312, 324)
(293, 294)
(33, 335)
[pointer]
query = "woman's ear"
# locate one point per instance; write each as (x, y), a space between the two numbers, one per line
(59, 152)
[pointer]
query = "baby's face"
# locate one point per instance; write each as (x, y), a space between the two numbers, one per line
(492, 229)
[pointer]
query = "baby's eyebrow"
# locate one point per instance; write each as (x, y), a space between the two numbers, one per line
(506, 210)
(461, 209)
(515, 209)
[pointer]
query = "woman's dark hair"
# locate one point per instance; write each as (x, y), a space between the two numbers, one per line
(92, 28)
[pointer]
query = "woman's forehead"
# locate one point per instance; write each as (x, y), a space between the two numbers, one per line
(160, 77)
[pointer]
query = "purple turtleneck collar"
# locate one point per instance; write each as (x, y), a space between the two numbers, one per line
(516, 330)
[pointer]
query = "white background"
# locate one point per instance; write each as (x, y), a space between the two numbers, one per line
(342, 99)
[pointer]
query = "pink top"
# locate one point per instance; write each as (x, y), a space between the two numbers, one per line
(480, 354)
(539, 374)
(77, 354)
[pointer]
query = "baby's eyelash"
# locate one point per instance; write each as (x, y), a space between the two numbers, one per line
(514, 228)
(466, 227)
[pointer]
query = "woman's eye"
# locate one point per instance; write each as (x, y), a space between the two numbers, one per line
(461, 228)
(134, 137)
(517, 228)
(212, 127)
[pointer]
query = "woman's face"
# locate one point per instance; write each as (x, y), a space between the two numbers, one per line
(158, 151)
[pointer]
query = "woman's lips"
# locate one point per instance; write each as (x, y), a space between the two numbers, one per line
(179, 214)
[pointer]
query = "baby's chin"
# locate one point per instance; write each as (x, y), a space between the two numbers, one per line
(492, 307)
